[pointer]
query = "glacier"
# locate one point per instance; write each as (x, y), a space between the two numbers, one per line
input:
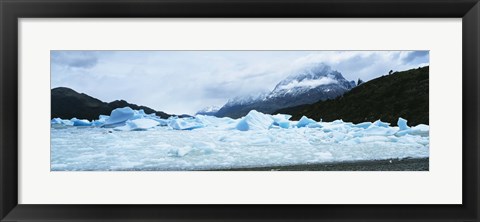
(129, 139)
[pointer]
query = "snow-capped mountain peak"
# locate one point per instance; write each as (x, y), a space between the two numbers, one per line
(310, 77)
(209, 110)
(312, 71)
(246, 99)
(308, 85)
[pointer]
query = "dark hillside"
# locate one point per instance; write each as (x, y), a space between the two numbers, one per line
(66, 103)
(401, 94)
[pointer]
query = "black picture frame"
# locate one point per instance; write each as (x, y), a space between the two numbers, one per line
(12, 10)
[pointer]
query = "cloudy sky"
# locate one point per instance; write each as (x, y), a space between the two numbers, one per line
(183, 82)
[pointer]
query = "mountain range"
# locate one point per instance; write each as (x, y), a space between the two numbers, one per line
(317, 92)
(401, 94)
(312, 84)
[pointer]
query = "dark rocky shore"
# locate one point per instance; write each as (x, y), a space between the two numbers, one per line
(408, 164)
(421, 164)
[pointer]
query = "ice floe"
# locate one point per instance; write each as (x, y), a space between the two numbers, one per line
(133, 140)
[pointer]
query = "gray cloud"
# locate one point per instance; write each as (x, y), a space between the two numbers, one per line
(413, 55)
(74, 59)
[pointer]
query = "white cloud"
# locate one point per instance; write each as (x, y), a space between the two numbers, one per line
(311, 83)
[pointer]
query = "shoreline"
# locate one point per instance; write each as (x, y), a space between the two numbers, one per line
(407, 164)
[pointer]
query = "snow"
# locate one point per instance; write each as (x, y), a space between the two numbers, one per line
(309, 77)
(247, 99)
(147, 142)
(209, 110)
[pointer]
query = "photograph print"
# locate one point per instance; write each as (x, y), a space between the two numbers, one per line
(239, 110)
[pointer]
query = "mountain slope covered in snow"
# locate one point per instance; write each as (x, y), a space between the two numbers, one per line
(208, 111)
(314, 83)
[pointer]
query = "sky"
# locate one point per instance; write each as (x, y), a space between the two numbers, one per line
(183, 82)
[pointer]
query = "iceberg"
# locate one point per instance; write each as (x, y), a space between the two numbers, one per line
(138, 124)
(305, 121)
(100, 121)
(137, 114)
(58, 121)
(184, 123)
(379, 123)
(282, 120)
(363, 125)
(402, 123)
(420, 130)
(80, 122)
(379, 130)
(119, 116)
(161, 122)
(255, 120)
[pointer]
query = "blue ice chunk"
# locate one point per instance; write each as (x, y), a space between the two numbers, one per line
(138, 114)
(379, 123)
(420, 130)
(314, 125)
(100, 121)
(61, 122)
(304, 121)
(119, 116)
(103, 118)
(402, 124)
(284, 124)
(161, 122)
(379, 131)
(282, 120)
(363, 125)
(56, 121)
(141, 124)
(97, 123)
(255, 120)
(242, 126)
(281, 117)
(80, 122)
(184, 123)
